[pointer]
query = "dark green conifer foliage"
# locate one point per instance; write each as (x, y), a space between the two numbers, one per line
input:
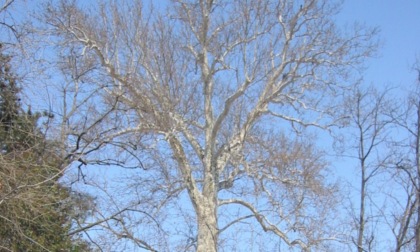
(8, 102)
(35, 210)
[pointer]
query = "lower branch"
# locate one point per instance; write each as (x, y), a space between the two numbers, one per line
(265, 224)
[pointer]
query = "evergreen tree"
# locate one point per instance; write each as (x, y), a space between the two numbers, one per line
(8, 102)
(34, 208)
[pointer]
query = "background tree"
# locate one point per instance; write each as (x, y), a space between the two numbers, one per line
(366, 138)
(6, 24)
(406, 224)
(209, 100)
(35, 210)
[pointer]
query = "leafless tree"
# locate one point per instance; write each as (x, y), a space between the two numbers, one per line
(367, 134)
(13, 28)
(4, 23)
(401, 215)
(208, 101)
(407, 224)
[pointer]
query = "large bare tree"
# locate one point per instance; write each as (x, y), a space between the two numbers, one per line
(209, 101)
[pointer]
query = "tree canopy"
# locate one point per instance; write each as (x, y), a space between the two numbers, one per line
(209, 102)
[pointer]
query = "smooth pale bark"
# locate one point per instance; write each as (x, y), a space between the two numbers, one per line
(362, 210)
(207, 226)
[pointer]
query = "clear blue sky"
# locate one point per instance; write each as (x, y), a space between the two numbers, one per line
(399, 24)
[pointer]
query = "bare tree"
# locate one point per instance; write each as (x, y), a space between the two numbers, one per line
(209, 101)
(415, 102)
(14, 29)
(401, 216)
(5, 23)
(407, 224)
(367, 135)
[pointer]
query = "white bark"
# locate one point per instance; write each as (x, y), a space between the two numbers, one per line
(196, 86)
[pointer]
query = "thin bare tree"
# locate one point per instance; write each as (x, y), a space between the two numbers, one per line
(402, 202)
(407, 222)
(208, 101)
(367, 134)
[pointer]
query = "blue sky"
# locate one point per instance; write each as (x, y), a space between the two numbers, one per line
(399, 24)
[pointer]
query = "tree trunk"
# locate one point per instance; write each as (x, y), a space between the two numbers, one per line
(362, 211)
(207, 225)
